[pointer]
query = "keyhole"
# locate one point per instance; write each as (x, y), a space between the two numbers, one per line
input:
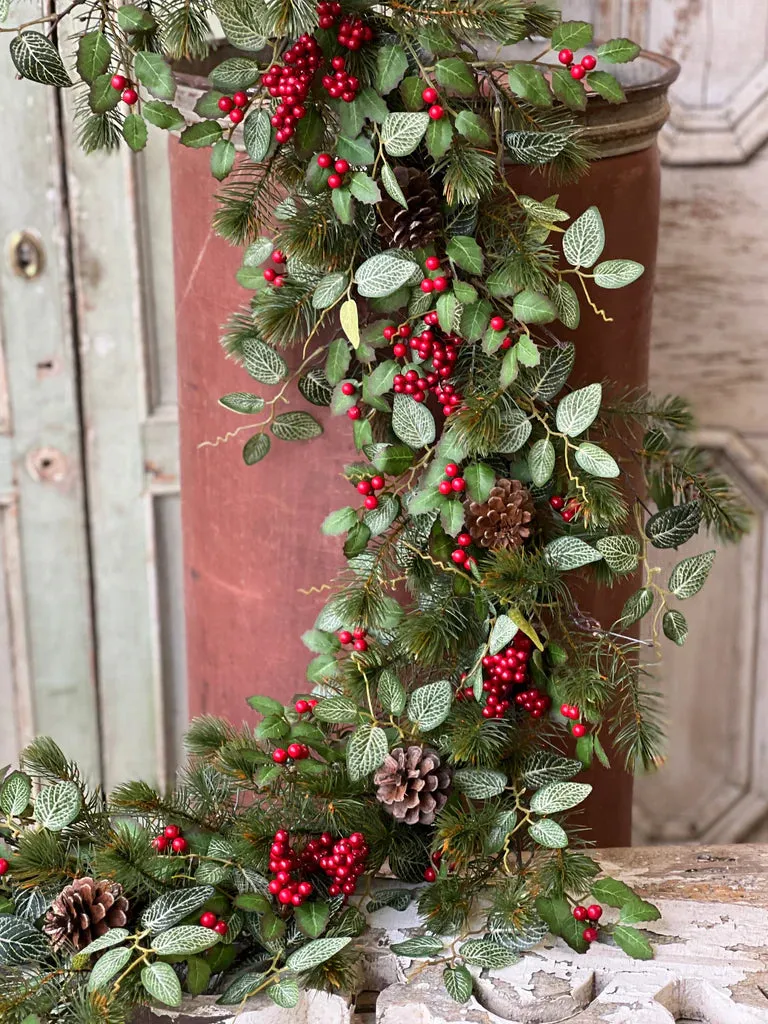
(25, 255)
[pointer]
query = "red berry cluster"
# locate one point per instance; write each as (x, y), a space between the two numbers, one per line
(443, 354)
(434, 284)
(284, 863)
(233, 105)
(293, 752)
(272, 276)
(341, 85)
(340, 168)
(170, 836)
(125, 88)
(567, 509)
(504, 673)
(367, 487)
(588, 63)
(301, 707)
(328, 14)
(356, 638)
(593, 913)
(430, 875)
(209, 920)
(578, 729)
(291, 82)
(4, 865)
(436, 112)
(461, 556)
(343, 862)
(353, 32)
(452, 483)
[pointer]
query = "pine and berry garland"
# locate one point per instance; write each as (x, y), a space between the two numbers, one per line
(451, 664)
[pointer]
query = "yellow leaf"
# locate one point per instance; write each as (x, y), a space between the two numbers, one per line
(524, 625)
(350, 322)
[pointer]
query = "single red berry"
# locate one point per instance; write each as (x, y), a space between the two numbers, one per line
(220, 927)
(241, 99)
(565, 710)
(305, 888)
(444, 487)
(588, 62)
(436, 112)
(341, 166)
(437, 856)
(236, 115)
(432, 263)
(498, 323)
(348, 388)
(399, 350)
(451, 469)
(279, 281)
(270, 275)
(324, 160)
(281, 836)
(458, 483)
(279, 756)
(334, 181)
(226, 103)
(580, 913)
(160, 843)
(208, 920)
(284, 896)
(295, 751)
(119, 82)
(595, 912)
(405, 330)
(578, 72)
(389, 332)
(129, 96)
(427, 285)
(429, 95)
(459, 556)
(360, 645)
(565, 56)
(464, 539)
(440, 283)
(589, 934)
(4, 865)
(179, 845)
(557, 502)
(430, 874)
(371, 502)
(171, 831)
(579, 730)
(278, 256)
(568, 514)
(359, 633)
(364, 487)
(345, 637)
(355, 412)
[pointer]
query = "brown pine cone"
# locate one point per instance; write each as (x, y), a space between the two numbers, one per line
(412, 785)
(85, 910)
(505, 520)
(421, 222)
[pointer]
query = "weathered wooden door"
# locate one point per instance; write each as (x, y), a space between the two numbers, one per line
(91, 628)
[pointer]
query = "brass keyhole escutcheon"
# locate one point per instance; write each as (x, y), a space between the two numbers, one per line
(25, 255)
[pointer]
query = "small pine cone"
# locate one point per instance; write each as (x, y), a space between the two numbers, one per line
(505, 520)
(412, 785)
(85, 910)
(421, 222)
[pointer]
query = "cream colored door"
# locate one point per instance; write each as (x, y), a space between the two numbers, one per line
(710, 343)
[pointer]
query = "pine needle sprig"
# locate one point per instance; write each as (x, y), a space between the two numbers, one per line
(247, 202)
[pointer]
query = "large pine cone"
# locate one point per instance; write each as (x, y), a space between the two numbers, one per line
(85, 910)
(412, 785)
(505, 520)
(421, 222)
